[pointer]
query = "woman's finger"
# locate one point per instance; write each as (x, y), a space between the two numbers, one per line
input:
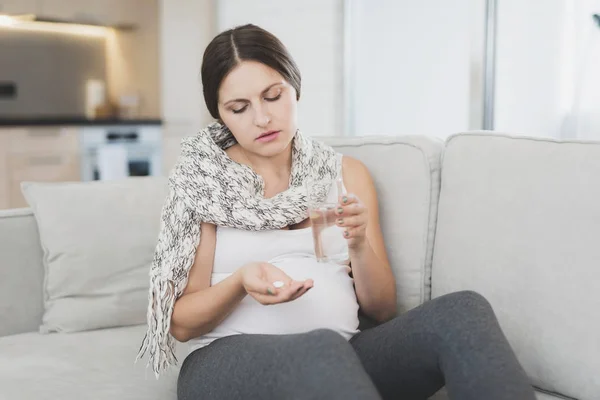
(351, 209)
(288, 292)
(347, 199)
(305, 288)
(351, 221)
(353, 233)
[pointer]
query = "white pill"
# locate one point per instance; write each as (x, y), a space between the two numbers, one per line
(278, 284)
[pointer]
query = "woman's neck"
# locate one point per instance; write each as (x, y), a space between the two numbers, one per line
(277, 167)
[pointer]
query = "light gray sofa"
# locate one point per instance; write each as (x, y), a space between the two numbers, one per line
(516, 219)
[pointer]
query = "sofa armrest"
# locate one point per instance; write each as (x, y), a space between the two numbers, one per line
(21, 273)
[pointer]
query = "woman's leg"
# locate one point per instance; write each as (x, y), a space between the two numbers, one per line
(453, 340)
(316, 365)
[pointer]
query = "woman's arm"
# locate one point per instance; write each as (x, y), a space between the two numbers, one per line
(373, 278)
(202, 307)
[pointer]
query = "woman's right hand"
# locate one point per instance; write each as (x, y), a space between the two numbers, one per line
(258, 279)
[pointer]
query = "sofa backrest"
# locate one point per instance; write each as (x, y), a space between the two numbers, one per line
(21, 272)
(519, 222)
(406, 173)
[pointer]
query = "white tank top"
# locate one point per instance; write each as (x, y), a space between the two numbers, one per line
(331, 303)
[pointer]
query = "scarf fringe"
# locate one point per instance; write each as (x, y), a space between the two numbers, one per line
(158, 342)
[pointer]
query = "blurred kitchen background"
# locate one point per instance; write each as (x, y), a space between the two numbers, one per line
(104, 89)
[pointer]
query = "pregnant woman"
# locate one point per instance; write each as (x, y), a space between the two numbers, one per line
(236, 277)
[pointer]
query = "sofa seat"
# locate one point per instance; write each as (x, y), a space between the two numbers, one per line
(539, 395)
(90, 365)
(86, 365)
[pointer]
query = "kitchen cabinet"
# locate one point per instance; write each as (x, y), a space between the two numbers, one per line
(39, 167)
(36, 154)
(44, 139)
(135, 11)
(100, 12)
(4, 194)
(18, 6)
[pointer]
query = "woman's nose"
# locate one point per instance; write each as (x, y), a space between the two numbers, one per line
(261, 117)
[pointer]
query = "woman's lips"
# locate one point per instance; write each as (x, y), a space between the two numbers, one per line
(269, 136)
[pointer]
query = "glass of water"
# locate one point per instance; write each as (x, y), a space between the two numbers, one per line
(322, 205)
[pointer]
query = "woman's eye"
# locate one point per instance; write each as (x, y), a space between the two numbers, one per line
(273, 98)
(239, 110)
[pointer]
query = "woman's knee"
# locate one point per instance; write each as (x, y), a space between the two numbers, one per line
(465, 300)
(465, 309)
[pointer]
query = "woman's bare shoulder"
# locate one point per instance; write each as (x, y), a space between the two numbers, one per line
(355, 172)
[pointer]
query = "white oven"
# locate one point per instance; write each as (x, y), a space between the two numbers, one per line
(120, 151)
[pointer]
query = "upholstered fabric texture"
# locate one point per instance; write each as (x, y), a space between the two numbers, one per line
(519, 222)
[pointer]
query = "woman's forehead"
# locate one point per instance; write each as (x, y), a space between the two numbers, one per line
(249, 78)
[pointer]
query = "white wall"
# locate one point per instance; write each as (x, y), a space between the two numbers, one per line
(312, 31)
(187, 26)
(531, 91)
(581, 61)
(412, 66)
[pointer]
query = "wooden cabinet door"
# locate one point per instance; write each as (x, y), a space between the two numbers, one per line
(36, 139)
(40, 167)
(4, 181)
(99, 12)
(38, 154)
(18, 7)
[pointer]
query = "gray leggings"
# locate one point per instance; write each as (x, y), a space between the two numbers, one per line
(453, 340)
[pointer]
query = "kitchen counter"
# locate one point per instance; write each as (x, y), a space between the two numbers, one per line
(75, 121)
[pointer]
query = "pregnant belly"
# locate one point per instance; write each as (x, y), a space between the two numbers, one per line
(330, 304)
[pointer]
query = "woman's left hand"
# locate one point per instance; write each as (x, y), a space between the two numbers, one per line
(352, 216)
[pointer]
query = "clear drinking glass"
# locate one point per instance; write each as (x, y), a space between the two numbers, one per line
(323, 198)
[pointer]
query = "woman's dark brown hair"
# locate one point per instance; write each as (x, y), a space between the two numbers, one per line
(244, 43)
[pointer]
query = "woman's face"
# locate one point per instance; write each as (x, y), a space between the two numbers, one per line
(259, 108)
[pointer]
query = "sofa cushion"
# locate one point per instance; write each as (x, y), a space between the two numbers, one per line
(94, 365)
(519, 222)
(98, 240)
(406, 174)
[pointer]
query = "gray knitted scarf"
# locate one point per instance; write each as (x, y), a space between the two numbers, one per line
(206, 185)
